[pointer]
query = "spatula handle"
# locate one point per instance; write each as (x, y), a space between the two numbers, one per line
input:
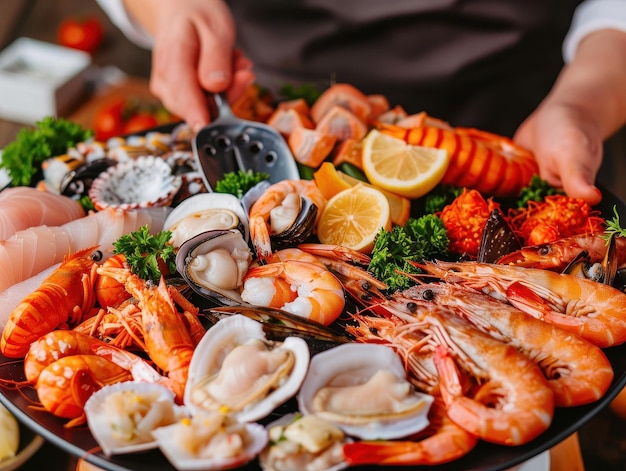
(223, 108)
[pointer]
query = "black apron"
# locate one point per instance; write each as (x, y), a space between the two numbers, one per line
(481, 63)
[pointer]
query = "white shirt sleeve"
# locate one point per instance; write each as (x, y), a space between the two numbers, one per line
(116, 11)
(591, 16)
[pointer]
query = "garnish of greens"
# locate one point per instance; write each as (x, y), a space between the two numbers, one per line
(423, 238)
(22, 158)
(143, 251)
(309, 92)
(237, 183)
(440, 197)
(536, 190)
(613, 227)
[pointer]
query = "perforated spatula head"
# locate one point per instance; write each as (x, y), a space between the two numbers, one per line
(229, 144)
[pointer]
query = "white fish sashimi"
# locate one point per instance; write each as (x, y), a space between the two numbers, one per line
(23, 207)
(46, 246)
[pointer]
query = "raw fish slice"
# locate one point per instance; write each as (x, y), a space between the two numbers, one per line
(63, 245)
(7, 277)
(15, 248)
(29, 255)
(45, 249)
(83, 232)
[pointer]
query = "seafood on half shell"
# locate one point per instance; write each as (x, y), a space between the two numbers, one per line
(304, 442)
(122, 416)
(205, 212)
(210, 441)
(235, 368)
(213, 263)
(362, 388)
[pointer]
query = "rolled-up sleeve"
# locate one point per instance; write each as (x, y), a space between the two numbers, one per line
(591, 16)
(116, 11)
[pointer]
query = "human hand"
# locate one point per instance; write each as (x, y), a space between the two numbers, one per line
(193, 53)
(567, 144)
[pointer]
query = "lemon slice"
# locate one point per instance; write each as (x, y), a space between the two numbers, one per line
(404, 169)
(353, 217)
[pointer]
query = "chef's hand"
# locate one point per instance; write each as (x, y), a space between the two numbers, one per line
(586, 105)
(193, 53)
(568, 147)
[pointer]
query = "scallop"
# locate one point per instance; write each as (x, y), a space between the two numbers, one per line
(204, 212)
(362, 389)
(235, 368)
(122, 416)
(213, 263)
(210, 441)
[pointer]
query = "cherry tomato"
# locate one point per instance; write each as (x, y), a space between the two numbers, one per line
(83, 34)
(109, 121)
(140, 121)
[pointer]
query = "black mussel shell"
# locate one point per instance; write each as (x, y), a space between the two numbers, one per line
(497, 239)
(78, 182)
(300, 230)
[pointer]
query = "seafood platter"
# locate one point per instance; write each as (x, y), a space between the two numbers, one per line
(177, 324)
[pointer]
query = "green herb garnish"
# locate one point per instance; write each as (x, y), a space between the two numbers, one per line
(23, 157)
(309, 92)
(613, 227)
(536, 190)
(440, 197)
(237, 183)
(144, 250)
(423, 238)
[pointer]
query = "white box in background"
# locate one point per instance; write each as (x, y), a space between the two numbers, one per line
(39, 79)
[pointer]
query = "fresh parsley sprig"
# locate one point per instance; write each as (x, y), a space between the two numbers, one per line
(613, 227)
(237, 183)
(143, 251)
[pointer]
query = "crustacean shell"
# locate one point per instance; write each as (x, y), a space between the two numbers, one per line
(296, 441)
(235, 367)
(122, 416)
(210, 441)
(213, 263)
(205, 212)
(362, 389)
(144, 182)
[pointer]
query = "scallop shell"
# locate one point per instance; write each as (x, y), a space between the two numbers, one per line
(355, 364)
(179, 441)
(204, 212)
(218, 284)
(272, 459)
(103, 421)
(140, 183)
(214, 349)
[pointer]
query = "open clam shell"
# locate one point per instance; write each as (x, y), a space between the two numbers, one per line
(235, 367)
(205, 212)
(144, 182)
(361, 388)
(122, 416)
(210, 441)
(213, 264)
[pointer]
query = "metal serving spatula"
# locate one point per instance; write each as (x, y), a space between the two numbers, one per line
(229, 144)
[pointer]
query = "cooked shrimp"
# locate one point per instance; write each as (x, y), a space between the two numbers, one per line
(577, 371)
(594, 311)
(316, 293)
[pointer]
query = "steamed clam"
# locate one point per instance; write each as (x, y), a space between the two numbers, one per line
(235, 368)
(213, 263)
(362, 389)
(204, 212)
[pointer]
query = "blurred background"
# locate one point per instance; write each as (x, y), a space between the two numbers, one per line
(120, 70)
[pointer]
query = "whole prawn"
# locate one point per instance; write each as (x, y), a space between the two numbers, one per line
(511, 402)
(167, 340)
(594, 311)
(301, 288)
(577, 371)
(64, 298)
(441, 442)
(277, 209)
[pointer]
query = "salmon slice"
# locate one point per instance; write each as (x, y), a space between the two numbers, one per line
(350, 151)
(344, 95)
(342, 124)
(393, 115)
(286, 120)
(310, 147)
(298, 104)
(378, 105)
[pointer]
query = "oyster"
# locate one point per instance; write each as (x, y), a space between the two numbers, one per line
(210, 441)
(362, 389)
(205, 212)
(213, 263)
(303, 442)
(234, 367)
(122, 416)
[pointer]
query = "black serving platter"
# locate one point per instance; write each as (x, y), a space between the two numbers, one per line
(79, 442)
